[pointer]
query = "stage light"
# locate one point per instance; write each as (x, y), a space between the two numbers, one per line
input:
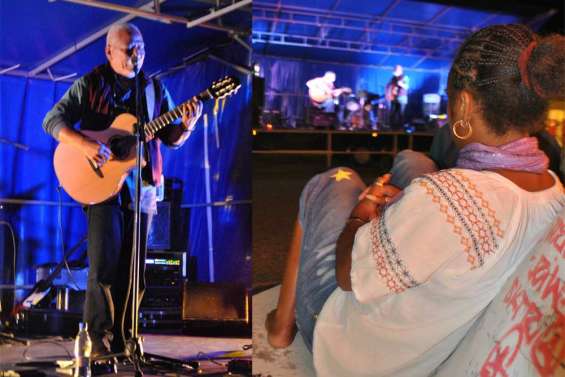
(257, 69)
(374, 134)
(438, 116)
(254, 132)
(269, 126)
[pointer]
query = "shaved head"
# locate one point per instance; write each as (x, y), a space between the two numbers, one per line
(117, 29)
(124, 45)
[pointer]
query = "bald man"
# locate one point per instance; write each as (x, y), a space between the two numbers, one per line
(93, 102)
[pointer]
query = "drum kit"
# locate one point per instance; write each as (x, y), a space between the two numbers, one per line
(362, 111)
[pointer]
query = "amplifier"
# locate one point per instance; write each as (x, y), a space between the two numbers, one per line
(165, 272)
(162, 297)
(33, 322)
(155, 319)
(165, 268)
(323, 120)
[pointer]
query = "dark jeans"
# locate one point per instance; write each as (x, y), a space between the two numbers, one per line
(107, 307)
(396, 118)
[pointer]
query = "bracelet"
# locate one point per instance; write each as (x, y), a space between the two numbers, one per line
(355, 218)
(372, 198)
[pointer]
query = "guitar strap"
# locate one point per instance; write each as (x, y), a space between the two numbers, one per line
(150, 98)
(150, 93)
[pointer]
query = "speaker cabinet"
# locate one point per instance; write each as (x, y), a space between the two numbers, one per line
(215, 302)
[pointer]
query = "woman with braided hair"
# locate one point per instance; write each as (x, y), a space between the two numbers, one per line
(386, 282)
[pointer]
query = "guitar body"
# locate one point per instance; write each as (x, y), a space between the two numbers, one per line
(391, 92)
(76, 174)
(318, 96)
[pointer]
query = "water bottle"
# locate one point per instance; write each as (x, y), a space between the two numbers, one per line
(83, 347)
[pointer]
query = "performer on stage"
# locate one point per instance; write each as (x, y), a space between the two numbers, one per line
(323, 93)
(95, 100)
(397, 96)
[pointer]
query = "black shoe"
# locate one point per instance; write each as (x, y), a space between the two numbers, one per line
(104, 365)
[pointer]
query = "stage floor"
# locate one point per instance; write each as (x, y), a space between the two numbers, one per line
(222, 350)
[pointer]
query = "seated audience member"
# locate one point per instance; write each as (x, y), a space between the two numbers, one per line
(383, 282)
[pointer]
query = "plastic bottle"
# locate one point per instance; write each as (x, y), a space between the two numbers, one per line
(83, 348)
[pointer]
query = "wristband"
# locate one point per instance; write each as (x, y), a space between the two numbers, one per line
(355, 218)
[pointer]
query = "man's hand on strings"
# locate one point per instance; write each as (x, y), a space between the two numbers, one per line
(96, 151)
(148, 134)
(191, 112)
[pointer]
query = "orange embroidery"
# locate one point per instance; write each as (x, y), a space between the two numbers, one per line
(389, 265)
(468, 212)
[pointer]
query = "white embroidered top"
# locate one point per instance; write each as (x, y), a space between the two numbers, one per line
(425, 270)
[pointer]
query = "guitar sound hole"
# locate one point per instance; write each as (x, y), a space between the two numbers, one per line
(121, 146)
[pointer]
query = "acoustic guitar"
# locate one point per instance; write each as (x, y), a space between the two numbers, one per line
(319, 95)
(87, 183)
(392, 90)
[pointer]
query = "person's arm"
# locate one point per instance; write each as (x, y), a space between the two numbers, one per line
(344, 247)
(175, 134)
(404, 83)
(368, 208)
(60, 120)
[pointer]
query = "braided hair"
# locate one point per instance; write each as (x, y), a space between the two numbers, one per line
(511, 72)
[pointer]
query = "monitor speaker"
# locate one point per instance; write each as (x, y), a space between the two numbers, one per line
(215, 302)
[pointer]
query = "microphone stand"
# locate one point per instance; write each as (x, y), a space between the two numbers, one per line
(134, 347)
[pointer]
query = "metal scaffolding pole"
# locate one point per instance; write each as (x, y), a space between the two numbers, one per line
(85, 42)
(341, 45)
(169, 18)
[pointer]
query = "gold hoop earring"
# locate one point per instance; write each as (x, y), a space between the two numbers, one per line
(465, 124)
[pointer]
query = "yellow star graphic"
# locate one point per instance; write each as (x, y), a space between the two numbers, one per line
(342, 175)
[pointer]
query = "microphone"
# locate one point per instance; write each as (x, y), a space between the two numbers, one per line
(134, 60)
(134, 56)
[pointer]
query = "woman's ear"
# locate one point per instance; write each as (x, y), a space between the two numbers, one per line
(466, 103)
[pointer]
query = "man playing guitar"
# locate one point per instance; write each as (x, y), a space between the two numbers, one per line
(322, 92)
(94, 101)
(397, 96)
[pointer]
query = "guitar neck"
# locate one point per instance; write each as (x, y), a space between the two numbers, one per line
(170, 116)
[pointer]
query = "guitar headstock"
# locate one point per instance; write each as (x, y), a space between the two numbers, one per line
(224, 87)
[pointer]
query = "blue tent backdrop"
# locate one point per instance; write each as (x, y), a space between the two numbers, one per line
(213, 165)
